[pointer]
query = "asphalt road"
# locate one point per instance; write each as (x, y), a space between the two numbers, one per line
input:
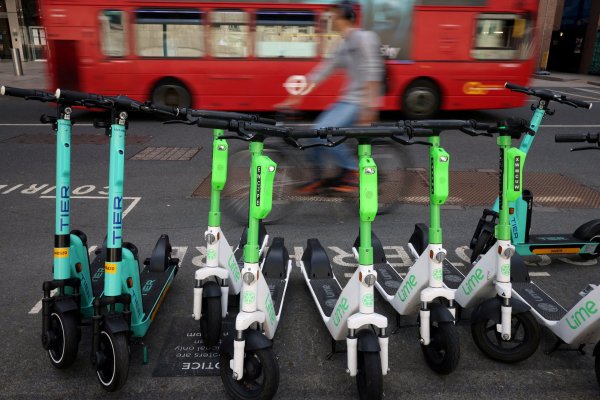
(161, 202)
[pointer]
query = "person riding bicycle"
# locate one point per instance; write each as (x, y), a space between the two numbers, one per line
(358, 54)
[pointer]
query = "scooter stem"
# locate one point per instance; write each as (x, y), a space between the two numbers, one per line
(62, 237)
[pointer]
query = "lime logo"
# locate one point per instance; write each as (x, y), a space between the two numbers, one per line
(211, 254)
(233, 267)
(473, 281)
(505, 269)
(249, 297)
(270, 309)
(438, 274)
(148, 286)
(368, 300)
(577, 318)
(340, 311)
(407, 287)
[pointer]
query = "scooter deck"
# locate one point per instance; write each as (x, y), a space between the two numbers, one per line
(539, 300)
(452, 275)
(152, 284)
(277, 288)
(388, 278)
(551, 240)
(328, 291)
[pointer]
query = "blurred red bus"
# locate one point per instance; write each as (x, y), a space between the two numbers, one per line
(241, 55)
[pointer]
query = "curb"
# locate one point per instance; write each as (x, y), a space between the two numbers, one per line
(593, 83)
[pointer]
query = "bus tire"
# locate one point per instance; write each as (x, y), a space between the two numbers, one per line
(421, 99)
(171, 92)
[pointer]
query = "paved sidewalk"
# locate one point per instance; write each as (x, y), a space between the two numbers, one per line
(561, 79)
(34, 75)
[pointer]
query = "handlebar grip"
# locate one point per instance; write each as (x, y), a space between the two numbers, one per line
(440, 124)
(173, 111)
(517, 88)
(580, 103)
(78, 97)
(23, 93)
(125, 102)
(266, 121)
(571, 137)
(421, 132)
(213, 123)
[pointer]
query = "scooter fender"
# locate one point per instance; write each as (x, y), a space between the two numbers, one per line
(254, 341)
(440, 313)
(116, 325)
(211, 289)
(368, 341)
(65, 305)
(490, 309)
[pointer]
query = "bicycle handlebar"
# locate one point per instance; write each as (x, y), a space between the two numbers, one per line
(27, 93)
(548, 95)
(577, 138)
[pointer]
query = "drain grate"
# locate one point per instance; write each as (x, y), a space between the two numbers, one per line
(166, 154)
(467, 188)
(76, 138)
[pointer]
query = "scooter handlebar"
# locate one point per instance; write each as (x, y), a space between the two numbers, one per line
(577, 138)
(81, 98)
(26, 93)
(230, 116)
(549, 95)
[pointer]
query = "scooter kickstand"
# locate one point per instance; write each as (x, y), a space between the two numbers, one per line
(555, 347)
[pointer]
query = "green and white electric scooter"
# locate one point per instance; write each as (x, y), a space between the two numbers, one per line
(76, 284)
(131, 297)
(349, 312)
(248, 366)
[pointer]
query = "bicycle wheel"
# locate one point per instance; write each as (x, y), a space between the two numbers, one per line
(289, 175)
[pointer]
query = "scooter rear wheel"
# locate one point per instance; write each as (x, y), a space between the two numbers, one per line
(210, 322)
(484, 242)
(112, 360)
(369, 378)
(261, 375)
(443, 352)
(524, 341)
(64, 334)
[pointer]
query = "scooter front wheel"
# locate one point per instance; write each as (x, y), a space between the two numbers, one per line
(524, 341)
(112, 360)
(369, 378)
(443, 352)
(210, 322)
(261, 375)
(63, 339)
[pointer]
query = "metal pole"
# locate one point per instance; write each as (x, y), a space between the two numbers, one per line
(16, 55)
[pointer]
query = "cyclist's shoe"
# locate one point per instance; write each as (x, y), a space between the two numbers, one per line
(346, 182)
(312, 187)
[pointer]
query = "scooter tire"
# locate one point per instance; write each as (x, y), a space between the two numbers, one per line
(484, 242)
(443, 351)
(64, 341)
(247, 388)
(369, 377)
(210, 322)
(597, 368)
(112, 365)
(496, 348)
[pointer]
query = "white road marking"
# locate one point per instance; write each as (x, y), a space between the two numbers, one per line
(40, 125)
(569, 126)
(38, 306)
(539, 274)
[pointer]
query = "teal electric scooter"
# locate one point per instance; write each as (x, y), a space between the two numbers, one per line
(76, 284)
(131, 298)
(585, 240)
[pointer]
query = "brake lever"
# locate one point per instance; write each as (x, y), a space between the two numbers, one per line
(181, 121)
(293, 142)
(585, 148)
(329, 143)
(239, 137)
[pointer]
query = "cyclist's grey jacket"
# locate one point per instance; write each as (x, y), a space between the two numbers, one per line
(359, 54)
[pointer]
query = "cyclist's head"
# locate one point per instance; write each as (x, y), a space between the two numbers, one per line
(344, 10)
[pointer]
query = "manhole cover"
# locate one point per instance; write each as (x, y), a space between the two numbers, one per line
(76, 138)
(467, 188)
(166, 154)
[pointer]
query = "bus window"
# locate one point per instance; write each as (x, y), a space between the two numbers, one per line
(229, 34)
(113, 38)
(330, 38)
(501, 37)
(169, 33)
(286, 34)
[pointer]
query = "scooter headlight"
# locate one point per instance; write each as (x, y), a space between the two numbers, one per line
(370, 280)
(248, 278)
(508, 252)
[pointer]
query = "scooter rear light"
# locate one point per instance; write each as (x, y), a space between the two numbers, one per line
(78, 268)
(129, 282)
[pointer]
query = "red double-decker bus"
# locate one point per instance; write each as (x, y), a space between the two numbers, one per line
(241, 55)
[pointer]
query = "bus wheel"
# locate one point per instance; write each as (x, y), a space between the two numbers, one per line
(171, 92)
(421, 99)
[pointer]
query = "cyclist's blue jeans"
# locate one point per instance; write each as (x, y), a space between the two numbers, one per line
(338, 115)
